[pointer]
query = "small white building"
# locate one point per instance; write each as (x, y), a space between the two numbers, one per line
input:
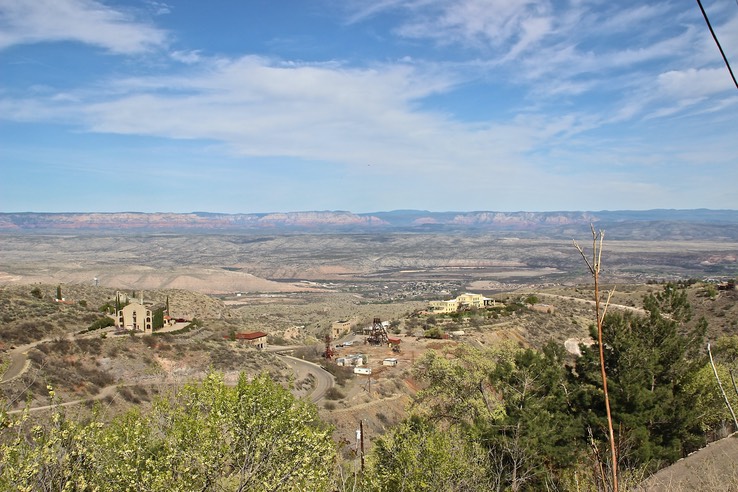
(363, 370)
(351, 360)
(390, 361)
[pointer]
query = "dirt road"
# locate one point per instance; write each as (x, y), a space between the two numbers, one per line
(591, 303)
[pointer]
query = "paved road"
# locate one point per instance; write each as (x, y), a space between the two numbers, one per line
(19, 362)
(323, 379)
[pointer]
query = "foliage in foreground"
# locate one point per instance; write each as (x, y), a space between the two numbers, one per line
(418, 456)
(523, 419)
(254, 436)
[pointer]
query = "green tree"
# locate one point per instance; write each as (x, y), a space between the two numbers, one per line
(157, 321)
(36, 292)
(456, 385)
(538, 434)
(103, 322)
(651, 362)
(58, 293)
(531, 300)
(726, 350)
(418, 456)
(254, 436)
(434, 332)
(515, 404)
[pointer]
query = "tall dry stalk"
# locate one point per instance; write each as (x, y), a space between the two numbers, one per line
(600, 311)
(720, 385)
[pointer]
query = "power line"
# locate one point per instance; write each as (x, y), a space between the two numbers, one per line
(714, 36)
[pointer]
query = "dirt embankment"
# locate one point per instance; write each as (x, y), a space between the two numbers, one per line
(712, 468)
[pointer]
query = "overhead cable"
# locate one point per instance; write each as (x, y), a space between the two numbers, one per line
(714, 36)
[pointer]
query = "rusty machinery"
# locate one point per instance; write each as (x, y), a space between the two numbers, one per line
(328, 354)
(379, 334)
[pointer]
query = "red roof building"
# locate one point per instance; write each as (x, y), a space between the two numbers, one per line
(256, 339)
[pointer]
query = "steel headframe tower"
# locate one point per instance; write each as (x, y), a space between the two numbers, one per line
(328, 354)
(379, 334)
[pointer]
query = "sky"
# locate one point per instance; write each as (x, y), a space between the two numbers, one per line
(248, 106)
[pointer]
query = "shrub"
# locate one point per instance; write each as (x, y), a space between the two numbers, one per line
(238, 447)
(103, 322)
(128, 395)
(341, 374)
(334, 393)
(90, 345)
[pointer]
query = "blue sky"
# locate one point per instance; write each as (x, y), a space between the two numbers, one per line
(366, 105)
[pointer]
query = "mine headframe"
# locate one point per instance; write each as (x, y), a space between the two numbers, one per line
(328, 354)
(378, 334)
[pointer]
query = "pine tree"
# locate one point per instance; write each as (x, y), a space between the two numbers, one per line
(650, 362)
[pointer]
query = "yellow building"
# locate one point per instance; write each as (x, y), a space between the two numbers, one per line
(464, 301)
(340, 328)
(443, 307)
(135, 316)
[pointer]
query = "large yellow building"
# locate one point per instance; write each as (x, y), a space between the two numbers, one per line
(340, 328)
(135, 316)
(467, 300)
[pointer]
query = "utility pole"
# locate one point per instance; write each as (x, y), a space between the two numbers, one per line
(361, 440)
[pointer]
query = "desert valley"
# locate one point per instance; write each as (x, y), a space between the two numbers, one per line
(310, 291)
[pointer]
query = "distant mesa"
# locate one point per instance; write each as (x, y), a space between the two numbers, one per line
(344, 221)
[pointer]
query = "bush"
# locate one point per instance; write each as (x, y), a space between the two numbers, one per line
(238, 448)
(128, 395)
(149, 341)
(334, 394)
(434, 332)
(100, 323)
(36, 356)
(90, 345)
(341, 374)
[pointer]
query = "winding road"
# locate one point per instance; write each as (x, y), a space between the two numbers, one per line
(19, 364)
(323, 379)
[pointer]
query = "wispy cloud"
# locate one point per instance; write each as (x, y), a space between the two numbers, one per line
(84, 21)
(628, 61)
(561, 86)
(369, 120)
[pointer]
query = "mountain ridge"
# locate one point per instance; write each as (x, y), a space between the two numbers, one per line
(710, 222)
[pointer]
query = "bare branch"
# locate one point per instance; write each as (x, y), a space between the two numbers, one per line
(607, 303)
(584, 257)
(594, 268)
